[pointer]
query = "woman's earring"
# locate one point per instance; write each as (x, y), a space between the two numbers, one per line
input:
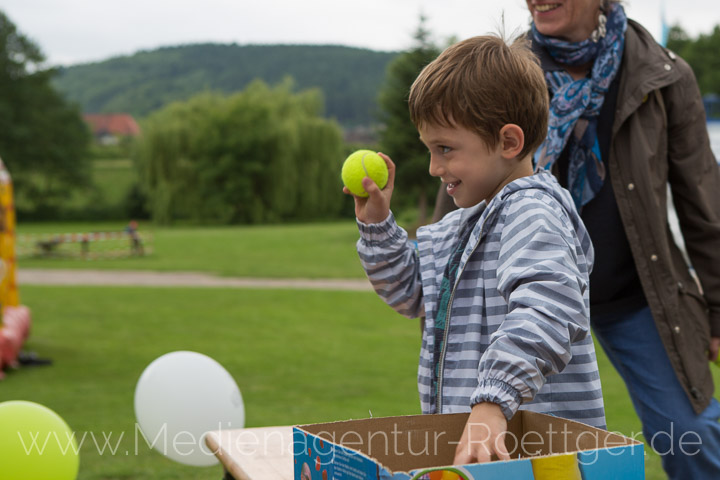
(601, 29)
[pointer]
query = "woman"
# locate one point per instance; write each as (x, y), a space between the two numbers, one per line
(626, 120)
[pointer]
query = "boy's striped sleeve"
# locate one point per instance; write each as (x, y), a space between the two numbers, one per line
(391, 263)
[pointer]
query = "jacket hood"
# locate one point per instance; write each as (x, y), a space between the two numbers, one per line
(545, 181)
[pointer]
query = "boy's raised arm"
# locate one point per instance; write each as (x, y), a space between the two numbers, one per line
(392, 266)
(386, 254)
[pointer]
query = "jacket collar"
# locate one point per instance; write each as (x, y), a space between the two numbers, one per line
(646, 67)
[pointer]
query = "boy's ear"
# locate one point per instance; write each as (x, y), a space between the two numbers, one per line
(512, 140)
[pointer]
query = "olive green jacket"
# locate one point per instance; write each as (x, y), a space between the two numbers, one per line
(659, 137)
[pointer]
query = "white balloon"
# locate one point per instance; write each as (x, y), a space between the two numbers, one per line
(181, 396)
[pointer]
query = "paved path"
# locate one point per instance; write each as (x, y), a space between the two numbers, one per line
(178, 279)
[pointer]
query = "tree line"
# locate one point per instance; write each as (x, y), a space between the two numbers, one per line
(266, 152)
(148, 80)
(43, 140)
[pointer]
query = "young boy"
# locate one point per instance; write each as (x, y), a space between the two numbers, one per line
(503, 281)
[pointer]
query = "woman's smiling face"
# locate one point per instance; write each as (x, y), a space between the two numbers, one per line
(572, 20)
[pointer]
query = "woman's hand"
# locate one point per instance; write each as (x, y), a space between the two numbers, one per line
(376, 206)
(484, 435)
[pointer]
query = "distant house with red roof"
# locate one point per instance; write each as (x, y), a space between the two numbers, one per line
(109, 128)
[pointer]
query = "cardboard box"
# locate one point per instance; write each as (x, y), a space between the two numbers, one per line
(422, 447)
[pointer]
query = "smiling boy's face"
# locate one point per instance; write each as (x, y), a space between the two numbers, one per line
(461, 159)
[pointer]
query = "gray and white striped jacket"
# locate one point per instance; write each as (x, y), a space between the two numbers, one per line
(519, 331)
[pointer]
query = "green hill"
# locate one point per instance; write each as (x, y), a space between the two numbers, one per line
(350, 78)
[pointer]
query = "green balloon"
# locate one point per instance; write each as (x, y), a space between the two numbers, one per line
(35, 443)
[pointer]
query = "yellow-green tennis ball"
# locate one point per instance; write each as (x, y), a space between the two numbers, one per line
(361, 164)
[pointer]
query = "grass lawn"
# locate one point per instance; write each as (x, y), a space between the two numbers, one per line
(297, 356)
(290, 351)
(323, 250)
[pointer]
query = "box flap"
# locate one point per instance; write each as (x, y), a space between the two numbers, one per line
(398, 443)
(406, 443)
(546, 435)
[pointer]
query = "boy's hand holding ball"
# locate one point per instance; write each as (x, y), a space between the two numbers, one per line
(361, 164)
(370, 178)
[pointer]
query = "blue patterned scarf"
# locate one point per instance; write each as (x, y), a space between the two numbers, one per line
(576, 104)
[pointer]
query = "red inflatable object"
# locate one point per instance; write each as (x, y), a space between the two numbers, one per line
(13, 333)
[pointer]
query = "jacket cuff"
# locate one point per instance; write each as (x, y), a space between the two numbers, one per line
(498, 392)
(378, 233)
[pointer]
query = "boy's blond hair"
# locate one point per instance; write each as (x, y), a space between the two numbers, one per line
(482, 84)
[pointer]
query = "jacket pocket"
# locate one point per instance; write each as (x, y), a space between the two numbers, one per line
(695, 312)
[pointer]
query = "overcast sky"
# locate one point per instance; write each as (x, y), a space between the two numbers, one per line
(79, 31)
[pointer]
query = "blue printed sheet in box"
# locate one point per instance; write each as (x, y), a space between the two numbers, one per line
(422, 447)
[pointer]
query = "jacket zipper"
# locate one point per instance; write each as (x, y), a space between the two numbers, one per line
(441, 366)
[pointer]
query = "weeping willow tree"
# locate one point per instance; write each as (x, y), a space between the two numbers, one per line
(262, 155)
